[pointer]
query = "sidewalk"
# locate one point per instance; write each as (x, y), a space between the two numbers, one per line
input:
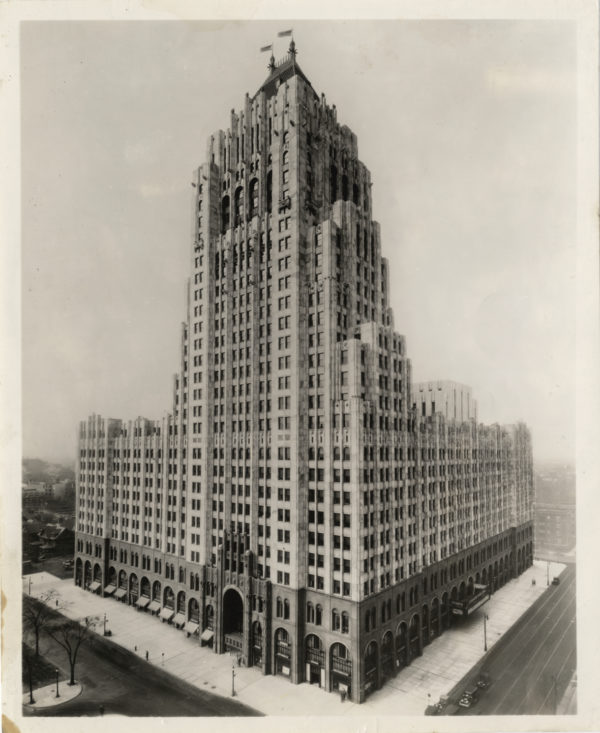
(45, 697)
(443, 664)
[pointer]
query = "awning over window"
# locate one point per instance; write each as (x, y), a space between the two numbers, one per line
(191, 627)
(207, 635)
(179, 619)
(142, 602)
(154, 606)
(94, 586)
(167, 613)
(110, 589)
(120, 592)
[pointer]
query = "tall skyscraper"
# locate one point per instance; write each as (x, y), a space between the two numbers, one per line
(297, 506)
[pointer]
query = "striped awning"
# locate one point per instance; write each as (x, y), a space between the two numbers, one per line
(207, 635)
(94, 586)
(154, 606)
(179, 620)
(120, 592)
(191, 627)
(142, 602)
(110, 589)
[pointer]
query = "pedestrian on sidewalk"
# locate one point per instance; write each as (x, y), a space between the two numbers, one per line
(147, 655)
(101, 709)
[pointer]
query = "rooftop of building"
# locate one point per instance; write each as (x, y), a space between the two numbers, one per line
(281, 71)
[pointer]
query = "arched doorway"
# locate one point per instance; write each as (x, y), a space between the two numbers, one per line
(97, 574)
(314, 657)
(401, 646)
(168, 610)
(283, 652)
(445, 611)
(371, 664)
(134, 588)
(233, 621)
(436, 621)
(414, 636)
(121, 592)
(87, 578)
(340, 665)
(193, 622)
(78, 572)
(257, 644)
(144, 597)
(179, 619)
(387, 654)
(425, 626)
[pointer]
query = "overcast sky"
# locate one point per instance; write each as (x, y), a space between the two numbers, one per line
(468, 128)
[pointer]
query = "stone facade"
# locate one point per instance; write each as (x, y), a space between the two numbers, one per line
(297, 507)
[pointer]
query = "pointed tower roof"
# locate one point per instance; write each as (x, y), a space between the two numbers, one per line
(282, 71)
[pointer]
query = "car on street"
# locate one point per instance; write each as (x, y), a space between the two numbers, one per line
(469, 697)
(555, 580)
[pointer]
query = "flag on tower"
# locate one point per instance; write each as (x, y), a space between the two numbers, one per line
(281, 34)
(267, 48)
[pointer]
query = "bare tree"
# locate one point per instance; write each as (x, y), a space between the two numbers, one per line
(37, 614)
(70, 635)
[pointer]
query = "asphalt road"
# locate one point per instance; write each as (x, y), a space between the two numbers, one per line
(126, 685)
(531, 666)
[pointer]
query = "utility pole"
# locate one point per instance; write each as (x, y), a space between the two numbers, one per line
(56, 670)
(104, 632)
(232, 679)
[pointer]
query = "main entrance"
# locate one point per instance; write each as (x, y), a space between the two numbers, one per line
(233, 621)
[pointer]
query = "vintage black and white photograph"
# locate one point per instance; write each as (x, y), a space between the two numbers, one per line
(298, 332)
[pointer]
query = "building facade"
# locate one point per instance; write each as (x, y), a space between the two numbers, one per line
(297, 507)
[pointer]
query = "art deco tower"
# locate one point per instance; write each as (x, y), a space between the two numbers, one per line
(299, 505)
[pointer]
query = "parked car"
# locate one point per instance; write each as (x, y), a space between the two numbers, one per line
(469, 697)
(483, 681)
(555, 580)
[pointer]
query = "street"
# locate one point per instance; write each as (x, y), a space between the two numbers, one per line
(532, 665)
(126, 685)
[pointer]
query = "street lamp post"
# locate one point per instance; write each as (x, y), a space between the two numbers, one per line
(56, 670)
(104, 632)
(30, 585)
(232, 679)
(485, 618)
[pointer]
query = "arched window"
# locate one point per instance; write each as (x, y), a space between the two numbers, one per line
(285, 158)
(254, 197)
(279, 608)
(333, 183)
(310, 613)
(286, 137)
(319, 616)
(239, 206)
(345, 623)
(286, 608)
(224, 214)
(335, 620)
(345, 187)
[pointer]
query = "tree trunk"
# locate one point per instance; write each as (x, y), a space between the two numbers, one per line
(72, 665)
(37, 642)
